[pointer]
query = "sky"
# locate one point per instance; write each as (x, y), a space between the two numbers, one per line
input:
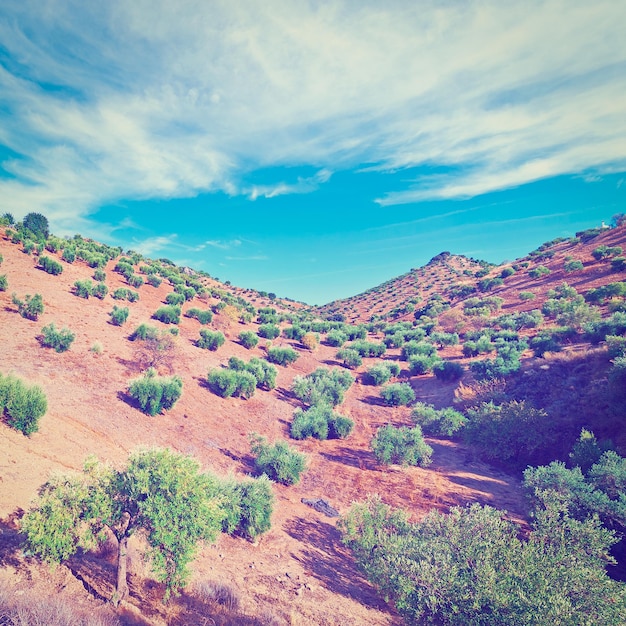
(314, 149)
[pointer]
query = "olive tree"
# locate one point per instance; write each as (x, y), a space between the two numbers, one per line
(160, 495)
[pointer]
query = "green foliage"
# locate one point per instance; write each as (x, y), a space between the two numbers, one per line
(155, 393)
(351, 358)
(227, 382)
(135, 281)
(605, 252)
(248, 339)
(482, 345)
(482, 306)
(264, 373)
(83, 288)
(587, 450)
(322, 386)
(506, 272)
(4, 283)
(169, 314)
(320, 422)
(21, 405)
(412, 348)
(291, 332)
(402, 445)
(37, 224)
(210, 340)
(336, 338)
(618, 264)
(539, 271)
(487, 284)
(31, 307)
(616, 346)
(448, 371)
(471, 567)
(69, 254)
(99, 275)
(154, 280)
(381, 373)
(422, 364)
(144, 331)
(526, 295)
(513, 432)
(438, 423)
(50, 266)
(60, 340)
(368, 348)
(204, 317)
(122, 293)
(277, 461)
(119, 315)
(248, 506)
(397, 394)
(269, 331)
(174, 298)
(282, 356)
(267, 315)
(160, 494)
(573, 266)
(598, 330)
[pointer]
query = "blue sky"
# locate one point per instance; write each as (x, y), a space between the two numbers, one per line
(314, 149)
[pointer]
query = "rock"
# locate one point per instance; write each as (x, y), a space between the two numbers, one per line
(321, 505)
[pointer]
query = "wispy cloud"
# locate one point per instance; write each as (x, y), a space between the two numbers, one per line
(254, 257)
(155, 99)
(151, 245)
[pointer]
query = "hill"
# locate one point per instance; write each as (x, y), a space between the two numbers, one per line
(298, 572)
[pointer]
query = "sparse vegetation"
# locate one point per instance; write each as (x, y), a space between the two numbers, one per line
(31, 307)
(402, 445)
(277, 461)
(397, 394)
(248, 339)
(119, 315)
(21, 405)
(168, 314)
(322, 386)
(210, 340)
(154, 393)
(50, 266)
(282, 356)
(60, 340)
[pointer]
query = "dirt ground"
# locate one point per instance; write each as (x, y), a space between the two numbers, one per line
(298, 572)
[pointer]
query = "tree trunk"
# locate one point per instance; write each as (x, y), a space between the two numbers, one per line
(121, 587)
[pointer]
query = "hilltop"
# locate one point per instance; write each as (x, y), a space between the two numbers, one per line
(299, 572)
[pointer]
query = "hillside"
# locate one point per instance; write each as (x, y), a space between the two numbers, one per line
(299, 572)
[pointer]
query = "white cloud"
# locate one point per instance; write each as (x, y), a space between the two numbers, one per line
(140, 100)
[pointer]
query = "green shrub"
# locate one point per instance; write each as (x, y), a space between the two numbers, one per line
(412, 348)
(539, 271)
(264, 373)
(267, 315)
(119, 315)
(278, 462)
(60, 340)
(322, 386)
(227, 382)
(292, 332)
(22, 405)
(282, 356)
(99, 275)
(437, 423)
(4, 283)
(351, 358)
(444, 339)
(573, 266)
(618, 264)
(336, 338)
(397, 394)
(204, 317)
(144, 331)
(247, 506)
(368, 348)
(448, 371)
(168, 314)
(50, 266)
(155, 393)
(526, 295)
(31, 307)
(403, 445)
(83, 288)
(506, 272)
(248, 339)
(210, 340)
(29, 246)
(422, 364)
(174, 298)
(135, 281)
(320, 422)
(616, 346)
(99, 291)
(269, 331)
(380, 373)
(154, 280)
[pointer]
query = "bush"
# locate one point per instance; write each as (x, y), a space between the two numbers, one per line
(248, 339)
(155, 393)
(294, 332)
(437, 423)
(144, 331)
(499, 367)
(204, 317)
(412, 348)
(83, 288)
(401, 445)
(380, 373)
(526, 295)
(174, 298)
(210, 340)
(448, 371)
(351, 358)
(336, 338)
(573, 266)
(618, 264)
(310, 341)
(282, 356)
(154, 280)
(99, 275)
(118, 315)
(227, 382)
(422, 364)
(278, 462)
(50, 266)
(4, 283)
(263, 372)
(31, 307)
(539, 271)
(398, 394)
(506, 272)
(616, 346)
(320, 422)
(368, 348)
(37, 224)
(125, 294)
(135, 281)
(22, 405)
(269, 331)
(60, 340)
(167, 314)
(322, 386)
